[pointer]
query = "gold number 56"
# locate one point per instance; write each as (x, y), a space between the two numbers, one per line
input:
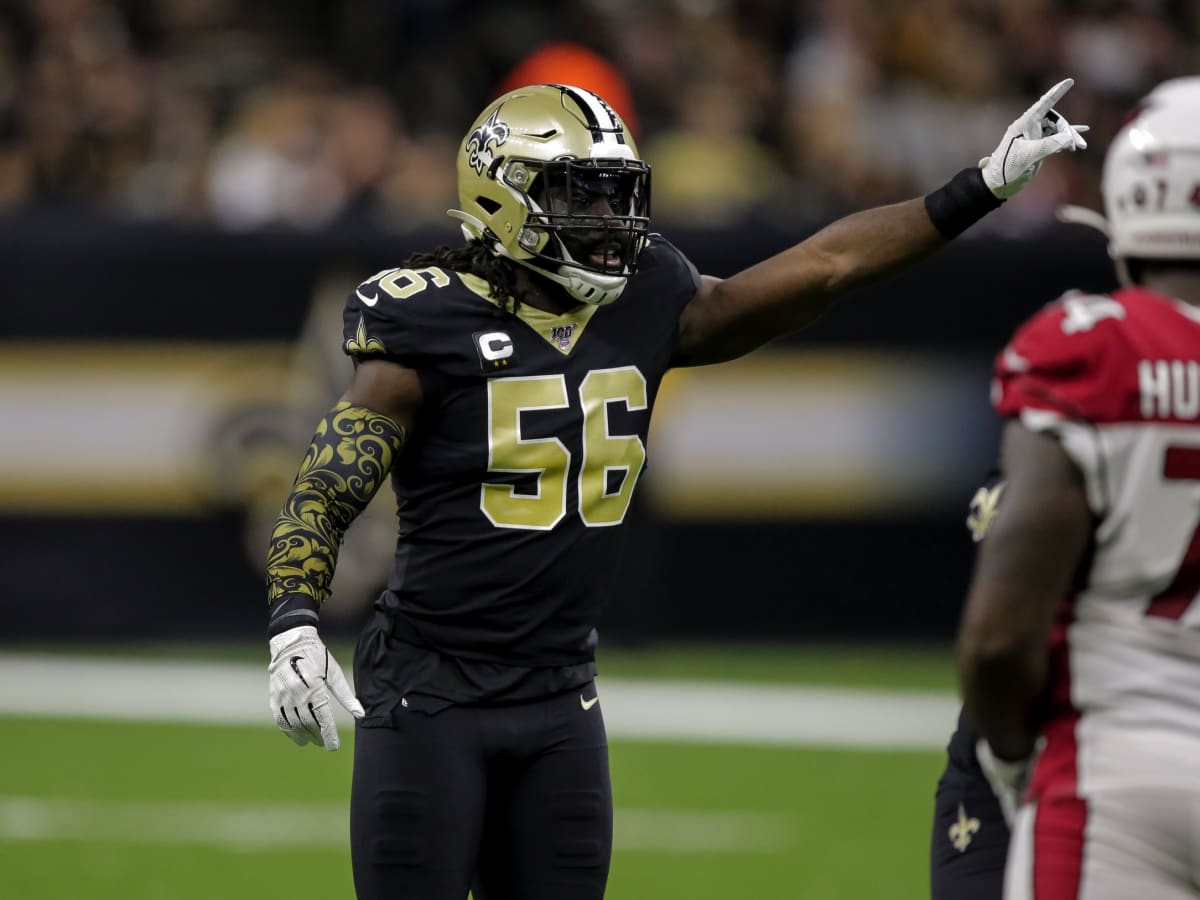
(510, 451)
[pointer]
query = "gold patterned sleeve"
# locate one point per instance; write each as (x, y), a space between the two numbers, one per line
(347, 462)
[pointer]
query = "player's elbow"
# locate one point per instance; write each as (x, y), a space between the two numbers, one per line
(995, 652)
(976, 653)
(830, 271)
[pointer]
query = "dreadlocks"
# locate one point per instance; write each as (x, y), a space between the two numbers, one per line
(475, 259)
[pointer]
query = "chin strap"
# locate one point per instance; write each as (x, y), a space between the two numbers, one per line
(591, 288)
(586, 287)
(1081, 215)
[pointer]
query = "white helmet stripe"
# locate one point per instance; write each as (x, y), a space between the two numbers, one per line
(606, 129)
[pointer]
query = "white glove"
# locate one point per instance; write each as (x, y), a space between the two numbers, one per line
(301, 677)
(1007, 779)
(1038, 133)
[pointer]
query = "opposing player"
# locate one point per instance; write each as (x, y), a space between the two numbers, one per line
(1079, 649)
(506, 386)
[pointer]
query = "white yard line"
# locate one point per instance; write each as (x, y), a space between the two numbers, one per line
(289, 826)
(693, 711)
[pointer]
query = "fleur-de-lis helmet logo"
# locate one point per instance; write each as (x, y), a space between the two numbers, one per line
(480, 142)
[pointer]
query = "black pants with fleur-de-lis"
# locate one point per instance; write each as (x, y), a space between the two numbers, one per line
(970, 838)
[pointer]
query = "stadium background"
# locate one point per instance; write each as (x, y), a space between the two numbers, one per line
(188, 188)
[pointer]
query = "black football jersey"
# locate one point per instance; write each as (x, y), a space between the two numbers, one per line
(525, 456)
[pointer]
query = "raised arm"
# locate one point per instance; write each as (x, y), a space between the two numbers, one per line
(728, 318)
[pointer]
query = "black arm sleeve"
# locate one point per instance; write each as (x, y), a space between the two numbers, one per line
(345, 465)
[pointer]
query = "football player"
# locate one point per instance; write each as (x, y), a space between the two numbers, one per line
(970, 837)
(1079, 647)
(505, 386)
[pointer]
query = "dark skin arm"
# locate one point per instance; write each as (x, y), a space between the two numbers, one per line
(387, 388)
(1024, 569)
(729, 318)
(787, 292)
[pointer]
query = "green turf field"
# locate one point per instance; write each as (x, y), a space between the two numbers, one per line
(109, 810)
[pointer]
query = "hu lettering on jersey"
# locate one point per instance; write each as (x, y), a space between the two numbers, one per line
(495, 350)
(1170, 388)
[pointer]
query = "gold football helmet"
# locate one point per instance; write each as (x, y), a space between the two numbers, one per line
(549, 176)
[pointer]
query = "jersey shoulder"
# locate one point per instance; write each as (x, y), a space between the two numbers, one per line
(394, 312)
(1085, 356)
(1074, 357)
(665, 272)
(664, 257)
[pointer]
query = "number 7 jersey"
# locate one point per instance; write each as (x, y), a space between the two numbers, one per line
(524, 459)
(1116, 379)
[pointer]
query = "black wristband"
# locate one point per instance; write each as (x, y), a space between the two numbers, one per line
(960, 203)
(291, 611)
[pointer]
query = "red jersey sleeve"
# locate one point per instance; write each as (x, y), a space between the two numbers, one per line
(1065, 360)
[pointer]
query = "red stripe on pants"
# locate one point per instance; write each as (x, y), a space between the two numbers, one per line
(1058, 848)
(1061, 816)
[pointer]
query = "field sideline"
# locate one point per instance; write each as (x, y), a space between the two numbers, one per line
(222, 693)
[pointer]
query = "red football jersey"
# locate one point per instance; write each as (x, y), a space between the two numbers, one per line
(1116, 378)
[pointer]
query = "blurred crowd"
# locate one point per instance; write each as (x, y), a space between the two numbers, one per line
(311, 113)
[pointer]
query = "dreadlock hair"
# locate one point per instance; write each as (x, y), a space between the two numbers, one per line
(476, 259)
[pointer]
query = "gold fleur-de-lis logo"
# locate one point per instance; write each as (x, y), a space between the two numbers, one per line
(983, 510)
(492, 133)
(963, 830)
(361, 343)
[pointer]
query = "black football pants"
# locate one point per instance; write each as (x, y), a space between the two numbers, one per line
(970, 839)
(512, 802)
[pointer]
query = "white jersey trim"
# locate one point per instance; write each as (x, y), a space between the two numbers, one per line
(1084, 444)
